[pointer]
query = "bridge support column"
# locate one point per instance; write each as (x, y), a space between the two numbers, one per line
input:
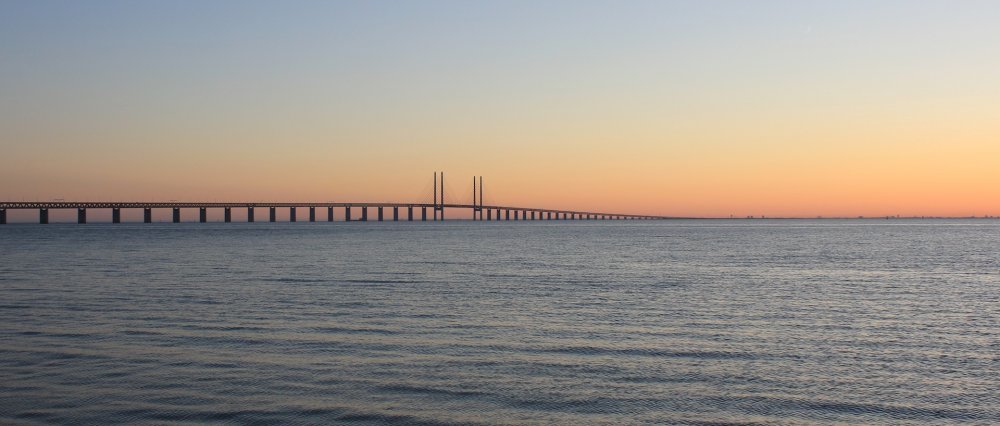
(489, 214)
(147, 215)
(273, 214)
(227, 214)
(379, 213)
(177, 215)
(291, 214)
(202, 214)
(409, 213)
(395, 214)
(250, 217)
(43, 216)
(498, 214)
(3, 216)
(423, 214)
(364, 214)
(347, 214)
(312, 214)
(506, 214)
(116, 215)
(532, 215)
(81, 215)
(329, 214)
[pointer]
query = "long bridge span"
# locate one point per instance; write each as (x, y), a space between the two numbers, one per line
(438, 207)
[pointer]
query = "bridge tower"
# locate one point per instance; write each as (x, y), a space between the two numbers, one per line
(477, 208)
(438, 205)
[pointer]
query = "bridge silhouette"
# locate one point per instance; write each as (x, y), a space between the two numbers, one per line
(437, 207)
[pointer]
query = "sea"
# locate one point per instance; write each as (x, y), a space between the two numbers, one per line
(687, 322)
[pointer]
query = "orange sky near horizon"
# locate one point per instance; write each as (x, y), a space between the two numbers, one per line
(856, 109)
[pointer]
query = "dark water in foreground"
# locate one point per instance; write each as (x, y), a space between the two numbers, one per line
(690, 322)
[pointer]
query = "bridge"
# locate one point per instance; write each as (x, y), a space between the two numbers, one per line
(437, 207)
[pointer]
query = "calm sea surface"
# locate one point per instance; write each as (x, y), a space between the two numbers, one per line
(678, 322)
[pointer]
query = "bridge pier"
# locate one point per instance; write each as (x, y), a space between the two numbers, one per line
(364, 214)
(81, 215)
(227, 214)
(489, 214)
(273, 214)
(423, 214)
(347, 214)
(116, 215)
(147, 215)
(43, 216)
(291, 214)
(250, 217)
(329, 214)
(177, 215)
(506, 214)
(202, 214)
(3, 216)
(395, 214)
(312, 214)
(409, 213)
(532, 215)
(379, 213)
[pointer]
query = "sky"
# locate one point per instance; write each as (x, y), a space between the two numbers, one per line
(682, 108)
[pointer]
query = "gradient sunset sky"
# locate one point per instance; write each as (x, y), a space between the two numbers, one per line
(686, 108)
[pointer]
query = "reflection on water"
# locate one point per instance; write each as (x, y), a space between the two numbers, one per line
(698, 322)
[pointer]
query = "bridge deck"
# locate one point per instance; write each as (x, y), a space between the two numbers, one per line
(15, 205)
